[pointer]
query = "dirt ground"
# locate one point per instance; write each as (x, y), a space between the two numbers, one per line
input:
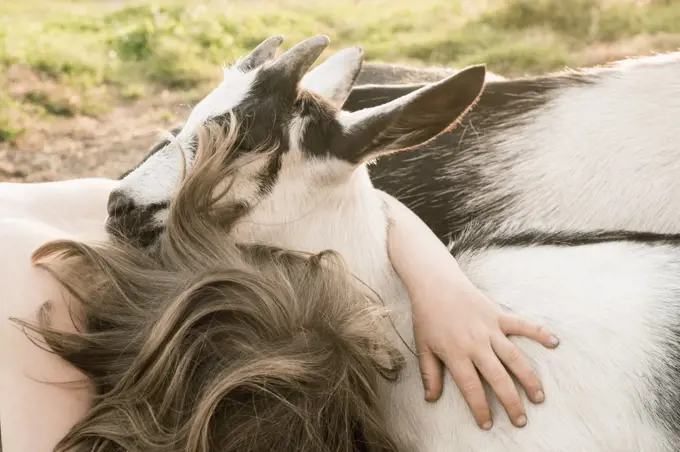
(59, 148)
(81, 146)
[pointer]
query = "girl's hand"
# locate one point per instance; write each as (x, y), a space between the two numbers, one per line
(456, 323)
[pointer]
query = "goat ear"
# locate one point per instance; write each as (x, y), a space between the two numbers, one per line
(335, 77)
(264, 52)
(366, 96)
(410, 120)
(297, 60)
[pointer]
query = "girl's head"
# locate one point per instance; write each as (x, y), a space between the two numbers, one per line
(205, 345)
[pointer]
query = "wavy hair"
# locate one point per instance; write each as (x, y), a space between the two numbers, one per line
(204, 345)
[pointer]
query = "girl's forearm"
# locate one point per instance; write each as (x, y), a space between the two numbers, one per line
(422, 261)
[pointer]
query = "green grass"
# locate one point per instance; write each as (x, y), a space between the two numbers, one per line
(135, 48)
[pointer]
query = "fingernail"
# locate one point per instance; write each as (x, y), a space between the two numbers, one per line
(427, 394)
(539, 396)
(521, 421)
(554, 341)
(487, 425)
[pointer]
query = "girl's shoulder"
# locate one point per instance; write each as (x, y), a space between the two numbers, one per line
(35, 393)
(75, 206)
(24, 288)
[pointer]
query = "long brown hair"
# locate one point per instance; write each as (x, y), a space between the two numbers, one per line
(204, 345)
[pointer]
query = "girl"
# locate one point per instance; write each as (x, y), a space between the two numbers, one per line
(135, 380)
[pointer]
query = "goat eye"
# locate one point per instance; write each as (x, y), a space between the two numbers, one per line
(300, 106)
(243, 148)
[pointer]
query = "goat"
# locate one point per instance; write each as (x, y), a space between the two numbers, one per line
(590, 149)
(613, 297)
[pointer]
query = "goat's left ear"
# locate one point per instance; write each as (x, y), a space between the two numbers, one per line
(335, 77)
(410, 120)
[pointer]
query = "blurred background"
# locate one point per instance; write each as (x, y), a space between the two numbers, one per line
(86, 85)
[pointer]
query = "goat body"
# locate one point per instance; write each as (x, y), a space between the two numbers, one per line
(594, 149)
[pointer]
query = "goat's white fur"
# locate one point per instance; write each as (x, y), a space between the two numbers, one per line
(617, 139)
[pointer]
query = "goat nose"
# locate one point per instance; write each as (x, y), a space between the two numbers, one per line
(119, 204)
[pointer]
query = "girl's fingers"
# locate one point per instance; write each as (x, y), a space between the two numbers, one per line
(467, 379)
(501, 383)
(431, 371)
(517, 326)
(519, 365)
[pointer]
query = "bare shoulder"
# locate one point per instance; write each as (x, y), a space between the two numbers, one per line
(32, 397)
(77, 206)
(24, 288)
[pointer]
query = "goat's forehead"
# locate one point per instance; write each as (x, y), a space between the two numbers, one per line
(256, 94)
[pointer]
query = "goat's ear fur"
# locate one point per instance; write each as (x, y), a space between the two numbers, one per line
(410, 120)
(335, 77)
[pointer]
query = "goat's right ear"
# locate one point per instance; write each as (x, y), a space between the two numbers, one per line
(410, 120)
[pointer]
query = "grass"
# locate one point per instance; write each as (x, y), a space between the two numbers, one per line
(103, 52)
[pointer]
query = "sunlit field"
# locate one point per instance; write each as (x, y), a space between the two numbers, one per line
(77, 69)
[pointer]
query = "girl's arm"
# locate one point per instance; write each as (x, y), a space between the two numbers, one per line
(456, 323)
(35, 410)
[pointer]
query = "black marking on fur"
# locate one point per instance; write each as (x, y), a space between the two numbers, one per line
(265, 113)
(486, 237)
(268, 177)
(665, 383)
(264, 118)
(320, 125)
